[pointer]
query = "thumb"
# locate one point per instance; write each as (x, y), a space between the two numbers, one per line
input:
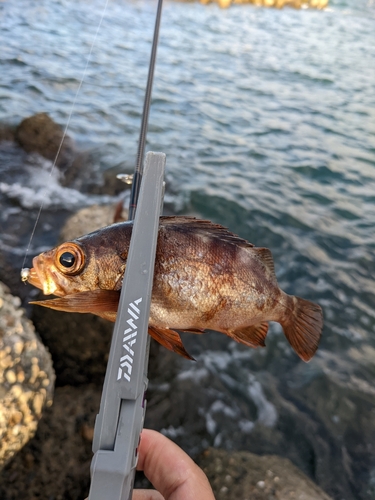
(147, 495)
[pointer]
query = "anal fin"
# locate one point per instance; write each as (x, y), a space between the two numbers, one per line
(252, 336)
(169, 339)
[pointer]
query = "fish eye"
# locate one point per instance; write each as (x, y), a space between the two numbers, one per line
(69, 258)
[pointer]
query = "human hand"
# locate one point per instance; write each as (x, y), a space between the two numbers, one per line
(171, 471)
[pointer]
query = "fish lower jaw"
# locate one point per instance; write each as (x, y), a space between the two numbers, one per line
(49, 287)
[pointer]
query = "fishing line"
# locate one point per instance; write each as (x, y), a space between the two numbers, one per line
(88, 59)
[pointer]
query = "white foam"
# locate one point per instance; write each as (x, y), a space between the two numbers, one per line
(40, 185)
(267, 414)
(246, 426)
(50, 195)
(210, 424)
(217, 360)
(173, 432)
(218, 407)
(196, 374)
(218, 440)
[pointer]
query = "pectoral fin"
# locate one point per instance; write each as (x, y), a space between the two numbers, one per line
(95, 301)
(252, 336)
(169, 339)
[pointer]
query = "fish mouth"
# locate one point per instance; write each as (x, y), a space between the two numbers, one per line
(39, 278)
(34, 279)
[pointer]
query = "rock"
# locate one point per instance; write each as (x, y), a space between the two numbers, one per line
(224, 4)
(78, 169)
(243, 475)
(26, 377)
(56, 463)
(78, 343)
(40, 134)
(89, 219)
(278, 4)
(343, 402)
(318, 4)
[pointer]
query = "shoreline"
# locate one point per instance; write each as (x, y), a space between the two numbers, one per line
(276, 4)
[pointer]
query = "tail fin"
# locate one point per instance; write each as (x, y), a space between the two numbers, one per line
(303, 327)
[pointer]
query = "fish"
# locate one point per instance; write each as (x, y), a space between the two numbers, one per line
(205, 278)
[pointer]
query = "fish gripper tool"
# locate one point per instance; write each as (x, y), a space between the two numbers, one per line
(122, 409)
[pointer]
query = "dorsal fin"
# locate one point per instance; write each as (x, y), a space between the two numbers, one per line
(204, 227)
(266, 257)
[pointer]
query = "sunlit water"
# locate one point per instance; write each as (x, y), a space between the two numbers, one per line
(267, 118)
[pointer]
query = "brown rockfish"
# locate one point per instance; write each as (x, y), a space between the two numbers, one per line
(205, 278)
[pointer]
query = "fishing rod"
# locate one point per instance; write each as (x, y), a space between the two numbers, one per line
(137, 176)
(120, 419)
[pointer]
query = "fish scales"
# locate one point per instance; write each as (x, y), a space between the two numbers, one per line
(205, 278)
(198, 293)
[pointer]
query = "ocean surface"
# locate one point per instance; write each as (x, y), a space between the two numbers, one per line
(267, 118)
